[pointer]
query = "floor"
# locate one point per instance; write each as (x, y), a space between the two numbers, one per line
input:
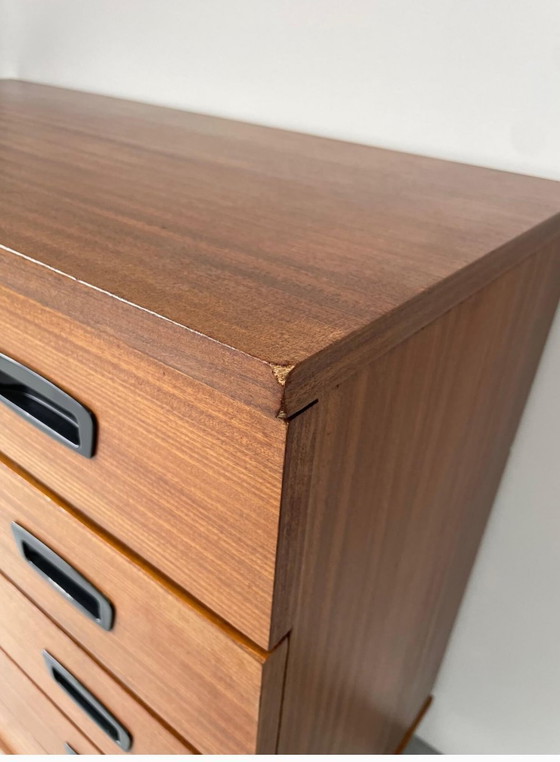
(417, 746)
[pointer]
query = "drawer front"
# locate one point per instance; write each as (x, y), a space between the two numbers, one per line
(27, 636)
(14, 739)
(187, 478)
(192, 671)
(29, 722)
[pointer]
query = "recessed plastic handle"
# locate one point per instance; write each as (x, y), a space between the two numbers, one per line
(47, 407)
(64, 578)
(94, 709)
(69, 749)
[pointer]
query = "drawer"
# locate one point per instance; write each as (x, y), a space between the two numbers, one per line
(16, 740)
(202, 677)
(29, 722)
(80, 688)
(184, 476)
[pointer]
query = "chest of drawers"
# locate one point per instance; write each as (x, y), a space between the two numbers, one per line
(258, 389)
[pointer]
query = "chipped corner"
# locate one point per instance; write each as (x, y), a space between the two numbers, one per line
(281, 373)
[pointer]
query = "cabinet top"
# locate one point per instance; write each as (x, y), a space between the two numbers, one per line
(297, 253)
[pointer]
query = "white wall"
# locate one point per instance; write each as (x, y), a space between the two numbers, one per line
(7, 39)
(476, 81)
(498, 691)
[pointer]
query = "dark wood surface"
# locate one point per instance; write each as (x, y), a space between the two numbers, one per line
(31, 723)
(184, 476)
(307, 359)
(293, 250)
(178, 658)
(407, 461)
(300, 449)
(409, 735)
(26, 631)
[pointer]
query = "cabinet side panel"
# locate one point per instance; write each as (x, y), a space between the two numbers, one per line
(407, 460)
(296, 486)
(273, 676)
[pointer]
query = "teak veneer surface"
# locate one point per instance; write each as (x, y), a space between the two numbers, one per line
(188, 478)
(293, 255)
(307, 360)
(407, 459)
(4, 749)
(202, 677)
(15, 739)
(31, 723)
(26, 632)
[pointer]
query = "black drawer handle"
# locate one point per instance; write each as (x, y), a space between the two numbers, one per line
(87, 701)
(46, 406)
(64, 578)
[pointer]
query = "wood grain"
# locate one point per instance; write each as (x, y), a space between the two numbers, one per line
(180, 660)
(346, 357)
(307, 360)
(272, 694)
(407, 461)
(185, 477)
(209, 362)
(26, 632)
(26, 711)
(300, 449)
(408, 736)
(4, 749)
(14, 738)
(279, 245)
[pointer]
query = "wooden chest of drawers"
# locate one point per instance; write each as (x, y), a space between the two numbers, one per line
(258, 390)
